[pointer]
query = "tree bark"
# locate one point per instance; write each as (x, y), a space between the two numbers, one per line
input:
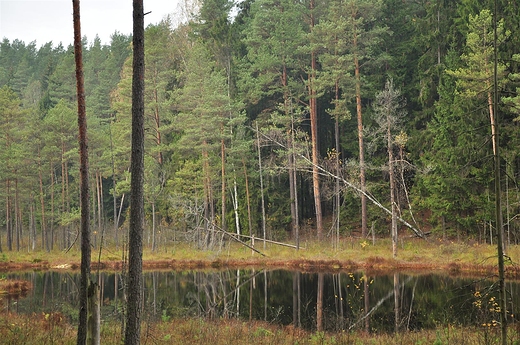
(84, 179)
(135, 255)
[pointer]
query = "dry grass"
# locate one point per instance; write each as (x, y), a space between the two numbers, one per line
(414, 254)
(52, 329)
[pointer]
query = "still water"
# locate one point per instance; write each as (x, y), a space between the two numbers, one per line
(323, 301)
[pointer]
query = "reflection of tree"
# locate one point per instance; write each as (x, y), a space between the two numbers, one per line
(425, 302)
(319, 303)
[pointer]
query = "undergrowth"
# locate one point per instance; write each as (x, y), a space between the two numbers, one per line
(52, 329)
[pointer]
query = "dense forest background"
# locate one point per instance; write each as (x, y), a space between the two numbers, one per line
(282, 118)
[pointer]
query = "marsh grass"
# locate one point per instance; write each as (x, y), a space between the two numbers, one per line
(353, 253)
(52, 329)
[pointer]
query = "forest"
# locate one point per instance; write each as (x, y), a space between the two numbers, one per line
(279, 119)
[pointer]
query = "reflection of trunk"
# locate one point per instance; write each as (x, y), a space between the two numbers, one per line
(396, 302)
(367, 302)
(94, 315)
(379, 303)
(338, 294)
(154, 292)
(251, 287)
(296, 300)
(411, 305)
(265, 295)
(319, 303)
(238, 293)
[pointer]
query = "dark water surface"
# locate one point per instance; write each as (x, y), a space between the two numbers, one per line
(327, 301)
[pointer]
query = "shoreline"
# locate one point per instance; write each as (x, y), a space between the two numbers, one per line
(372, 266)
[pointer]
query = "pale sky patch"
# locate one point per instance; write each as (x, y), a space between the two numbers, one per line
(51, 20)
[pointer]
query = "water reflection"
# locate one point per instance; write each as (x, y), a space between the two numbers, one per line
(315, 301)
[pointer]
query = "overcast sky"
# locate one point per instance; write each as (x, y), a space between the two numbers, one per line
(51, 20)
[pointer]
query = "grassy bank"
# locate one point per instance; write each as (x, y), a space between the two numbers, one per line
(52, 329)
(414, 254)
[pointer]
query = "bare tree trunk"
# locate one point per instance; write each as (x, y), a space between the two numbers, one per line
(84, 180)
(392, 190)
(261, 181)
(135, 260)
(8, 216)
(223, 179)
(314, 137)
(42, 200)
(154, 244)
(53, 180)
(337, 189)
(17, 215)
(362, 179)
(296, 221)
(249, 218)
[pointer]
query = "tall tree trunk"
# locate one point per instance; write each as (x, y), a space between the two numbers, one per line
(498, 188)
(314, 136)
(99, 193)
(8, 216)
(248, 199)
(154, 244)
(294, 186)
(392, 189)
(42, 200)
(84, 180)
(135, 259)
(53, 216)
(17, 215)
(235, 203)
(338, 168)
(223, 179)
(261, 182)
(362, 179)
(63, 193)
(209, 211)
